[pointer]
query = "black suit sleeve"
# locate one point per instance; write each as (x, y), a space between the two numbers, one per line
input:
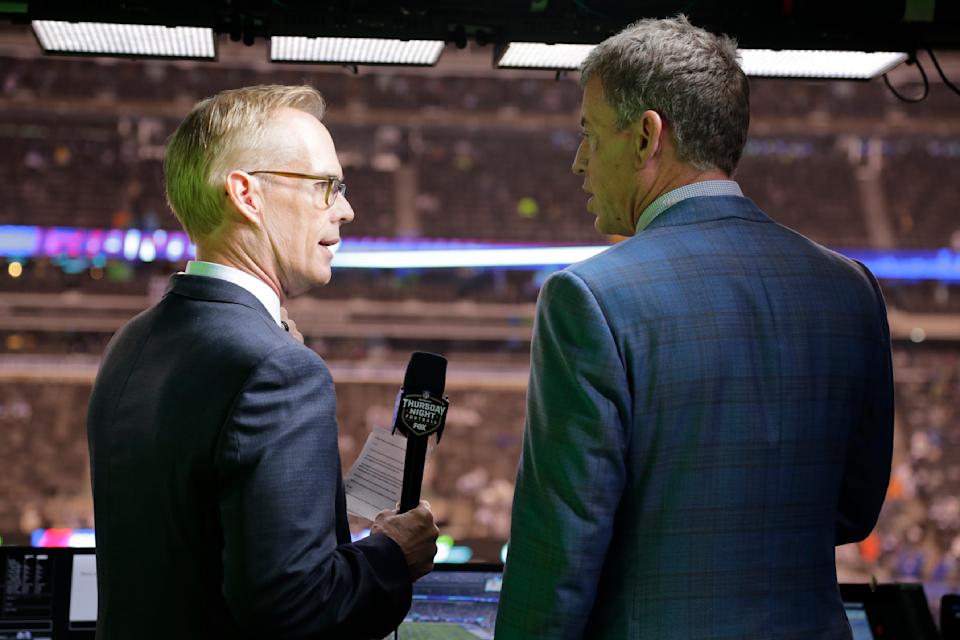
(285, 576)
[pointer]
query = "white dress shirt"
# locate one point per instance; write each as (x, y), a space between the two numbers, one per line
(260, 289)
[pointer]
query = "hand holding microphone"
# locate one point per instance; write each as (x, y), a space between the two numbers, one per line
(415, 532)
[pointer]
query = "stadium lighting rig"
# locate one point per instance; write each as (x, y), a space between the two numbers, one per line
(144, 40)
(801, 38)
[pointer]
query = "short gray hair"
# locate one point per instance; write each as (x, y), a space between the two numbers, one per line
(216, 137)
(689, 76)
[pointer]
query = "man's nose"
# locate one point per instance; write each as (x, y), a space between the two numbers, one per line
(345, 211)
(579, 166)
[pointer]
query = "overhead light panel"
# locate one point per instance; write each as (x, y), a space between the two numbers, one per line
(853, 65)
(355, 50)
(107, 39)
(841, 65)
(539, 55)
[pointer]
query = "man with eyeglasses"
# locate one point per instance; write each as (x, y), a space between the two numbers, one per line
(218, 496)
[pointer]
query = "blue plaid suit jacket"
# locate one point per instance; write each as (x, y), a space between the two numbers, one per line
(710, 412)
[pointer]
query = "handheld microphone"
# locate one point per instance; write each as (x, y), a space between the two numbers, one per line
(420, 412)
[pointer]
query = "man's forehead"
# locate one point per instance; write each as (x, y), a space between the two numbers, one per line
(594, 107)
(302, 131)
(298, 124)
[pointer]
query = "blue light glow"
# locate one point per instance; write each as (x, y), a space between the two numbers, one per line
(148, 252)
(131, 244)
(392, 253)
(938, 264)
(176, 249)
(114, 242)
(18, 241)
(491, 256)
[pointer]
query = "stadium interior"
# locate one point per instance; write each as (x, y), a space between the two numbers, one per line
(461, 151)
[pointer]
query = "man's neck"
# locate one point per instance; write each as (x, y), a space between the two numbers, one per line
(679, 175)
(241, 261)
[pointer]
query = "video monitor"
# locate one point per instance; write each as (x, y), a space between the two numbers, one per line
(898, 610)
(857, 615)
(454, 602)
(47, 594)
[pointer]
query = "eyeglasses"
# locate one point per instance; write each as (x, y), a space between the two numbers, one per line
(335, 186)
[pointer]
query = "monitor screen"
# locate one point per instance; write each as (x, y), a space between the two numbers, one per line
(52, 593)
(857, 615)
(47, 593)
(898, 610)
(454, 602)
(83, 592)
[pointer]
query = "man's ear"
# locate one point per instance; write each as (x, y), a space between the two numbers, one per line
(244, 193)
(646, 131)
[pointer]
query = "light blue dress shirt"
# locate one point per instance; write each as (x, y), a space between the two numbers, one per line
(697, 189)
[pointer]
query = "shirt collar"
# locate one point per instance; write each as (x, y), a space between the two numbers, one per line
(260, 289)
(694, 190)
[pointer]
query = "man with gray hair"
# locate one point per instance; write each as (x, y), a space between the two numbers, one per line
(218, 497)
(710, 407)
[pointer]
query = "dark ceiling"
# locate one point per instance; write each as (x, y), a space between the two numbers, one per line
(904, 25)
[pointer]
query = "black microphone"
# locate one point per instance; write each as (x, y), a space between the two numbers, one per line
(420, 412)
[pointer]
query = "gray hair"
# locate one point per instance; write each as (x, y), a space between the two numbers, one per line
(217, 136)
(689, 76)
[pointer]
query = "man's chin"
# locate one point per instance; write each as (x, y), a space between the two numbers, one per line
(603, 227)
(300, 288)
(609, 227)
(322, 278)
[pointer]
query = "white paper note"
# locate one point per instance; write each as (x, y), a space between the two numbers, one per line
(376, 478)
(83, 588)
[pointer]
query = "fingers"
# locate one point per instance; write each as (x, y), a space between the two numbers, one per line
(416, 534)
(422, 561)
(290, 325)
(386, 513)
(428, 513)
(379, 520)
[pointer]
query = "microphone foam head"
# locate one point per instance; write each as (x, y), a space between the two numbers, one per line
(425, 372)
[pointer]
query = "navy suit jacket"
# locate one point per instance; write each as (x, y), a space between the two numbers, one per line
(217, 487)
(710, 412)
